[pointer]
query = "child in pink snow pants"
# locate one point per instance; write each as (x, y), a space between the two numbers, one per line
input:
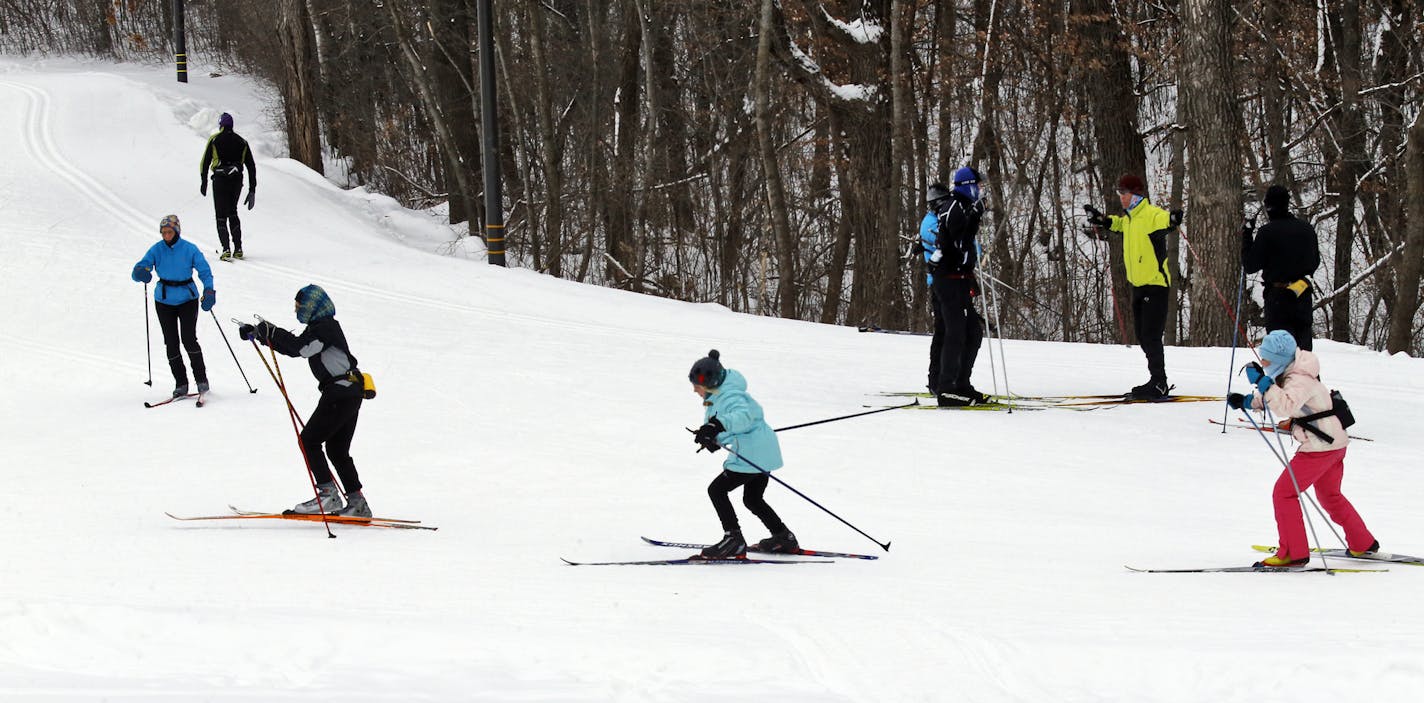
(1288, 383)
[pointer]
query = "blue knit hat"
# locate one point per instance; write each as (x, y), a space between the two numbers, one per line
(966, 183)
(1278, 348)
(225, 121)
(314, 304)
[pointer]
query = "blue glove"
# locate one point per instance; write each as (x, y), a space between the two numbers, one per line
(1263, 383)
(978, 251)
(141, 274)
(210, 298)
(1254, 372)
(1238, 401)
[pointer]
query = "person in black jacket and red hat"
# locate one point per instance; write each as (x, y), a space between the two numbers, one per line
(1285, 251)
(225, 156)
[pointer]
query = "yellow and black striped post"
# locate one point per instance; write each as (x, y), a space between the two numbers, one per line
(180, 42)
(494, 200)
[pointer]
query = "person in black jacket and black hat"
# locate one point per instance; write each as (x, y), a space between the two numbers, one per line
(1285, 251)
(947, 240)
(225, 156)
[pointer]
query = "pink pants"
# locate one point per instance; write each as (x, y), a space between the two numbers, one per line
(1324, 471)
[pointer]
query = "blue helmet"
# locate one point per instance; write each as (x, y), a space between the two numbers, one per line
(966, 182)
(1278, 348)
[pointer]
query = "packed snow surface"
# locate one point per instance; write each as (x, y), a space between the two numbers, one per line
(531, 418)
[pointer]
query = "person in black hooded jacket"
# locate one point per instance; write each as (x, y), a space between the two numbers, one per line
(225, 156)
(1285, 251)
(333, 423)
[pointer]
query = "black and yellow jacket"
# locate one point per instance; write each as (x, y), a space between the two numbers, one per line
(1144, 244)
(226, 155)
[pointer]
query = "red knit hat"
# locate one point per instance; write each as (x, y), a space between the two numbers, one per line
(1132, 183)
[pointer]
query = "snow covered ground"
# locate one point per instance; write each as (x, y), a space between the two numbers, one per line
(532, 418)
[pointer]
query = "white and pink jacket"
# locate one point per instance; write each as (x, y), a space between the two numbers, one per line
(1299, 392)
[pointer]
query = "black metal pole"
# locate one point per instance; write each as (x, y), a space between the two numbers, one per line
(180, 42)
(882, 545)
(250, 389)
(489, 125)
(847, 417)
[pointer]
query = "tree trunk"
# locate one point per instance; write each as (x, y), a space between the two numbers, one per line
(300, 85)
(771, 171)
(1407, 273)
(1351, 134)
(1113, 108)
(1214, 166)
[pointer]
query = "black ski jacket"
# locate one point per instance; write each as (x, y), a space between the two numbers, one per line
(1284, 251)
(323, 344)
(226, 155)
(958, 226)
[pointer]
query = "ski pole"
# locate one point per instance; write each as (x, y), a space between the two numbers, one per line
(1236, 330)
(250, 389)
(999, 324)
(147, 339)
(1299, 495)
(1281, 456)
(845, 417)
(292, 415)
(883, 545)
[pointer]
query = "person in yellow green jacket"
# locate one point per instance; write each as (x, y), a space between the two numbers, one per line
(1144, 230)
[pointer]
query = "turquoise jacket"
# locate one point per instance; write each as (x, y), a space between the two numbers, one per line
(176, 263)
(747, 432)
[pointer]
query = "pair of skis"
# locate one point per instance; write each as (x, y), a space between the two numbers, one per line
(1071, 402)
(171, 399)
(825, 557)
(1305, 568)
(1282, 427)
(238, 514)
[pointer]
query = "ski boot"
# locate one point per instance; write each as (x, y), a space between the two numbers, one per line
(237, 254)
(328, 501)
(732, 546)
(226, 255)
(1154, 389)
(1367, 552)
(202, 386)
(355, 506)
(1277, 561)
(782, 542)
(180, 390)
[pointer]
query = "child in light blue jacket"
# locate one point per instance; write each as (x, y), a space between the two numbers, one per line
(733, 420)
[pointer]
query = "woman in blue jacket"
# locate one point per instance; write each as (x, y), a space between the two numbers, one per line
(176, 299)
(732, 419)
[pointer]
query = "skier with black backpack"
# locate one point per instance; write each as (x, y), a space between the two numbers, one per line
(342, 387)
(225, 156)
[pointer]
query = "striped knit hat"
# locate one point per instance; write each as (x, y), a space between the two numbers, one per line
(314, 304)
(170, 221)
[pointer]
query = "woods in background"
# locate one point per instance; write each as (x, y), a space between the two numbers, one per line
(772, 156)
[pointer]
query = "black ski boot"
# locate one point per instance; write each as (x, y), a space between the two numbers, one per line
(782, 542)
(732, 546)
(1155, 389)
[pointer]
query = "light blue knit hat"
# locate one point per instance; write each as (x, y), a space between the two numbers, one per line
(1278, 348)
(314, 304)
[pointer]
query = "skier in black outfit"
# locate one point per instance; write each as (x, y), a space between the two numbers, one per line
(947, 236)
(225, 156)
(333, 423)
(1285, 251)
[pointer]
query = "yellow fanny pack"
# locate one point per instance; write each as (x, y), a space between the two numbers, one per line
(368, 384)
(1298, 287)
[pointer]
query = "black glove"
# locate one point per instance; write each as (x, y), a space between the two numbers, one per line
(1236, 400)
(246, 332)
(261, 332)
(251, 197)
(1175, 217)
(918, 248)
(203, 187)
(1096, 216)
(706, 435)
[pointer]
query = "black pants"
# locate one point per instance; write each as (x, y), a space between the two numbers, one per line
(180, 324)
(753, 486)
(225, 192)
(959, 331)
(1290, 312)
(1149, 321)
(333, 423)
